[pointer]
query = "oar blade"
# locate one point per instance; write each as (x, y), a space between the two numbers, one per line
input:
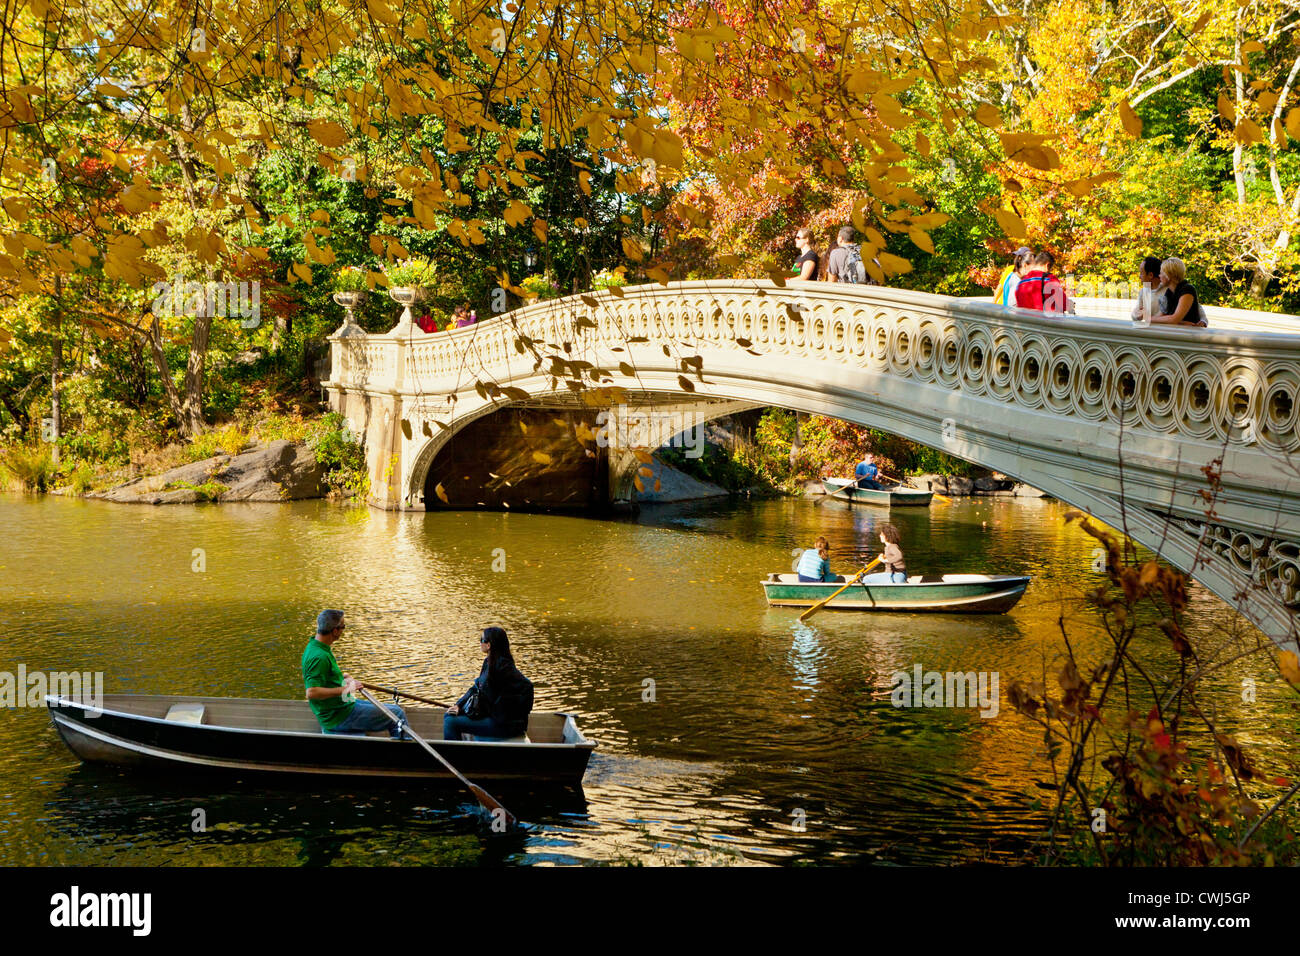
(491, 804)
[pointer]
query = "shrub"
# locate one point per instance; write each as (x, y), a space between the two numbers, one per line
(30, 467)
(342, 456)
(208, 491)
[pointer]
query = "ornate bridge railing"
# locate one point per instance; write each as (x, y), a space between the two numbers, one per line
(1187, 437)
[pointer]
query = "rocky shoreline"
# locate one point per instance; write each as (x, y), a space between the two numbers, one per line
(992, 486)
(279, 470)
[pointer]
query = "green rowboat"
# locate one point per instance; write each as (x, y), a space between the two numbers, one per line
(846, 490)
(944, 594)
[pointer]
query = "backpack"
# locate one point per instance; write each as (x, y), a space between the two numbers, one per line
(853, 270)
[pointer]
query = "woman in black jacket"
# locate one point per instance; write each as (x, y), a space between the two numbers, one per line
(500, 700)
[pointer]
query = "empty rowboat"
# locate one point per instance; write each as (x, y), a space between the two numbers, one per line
(946, 594)
(846, 489)
(282, 737)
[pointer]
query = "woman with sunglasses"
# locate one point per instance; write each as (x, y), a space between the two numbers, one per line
(500, 700)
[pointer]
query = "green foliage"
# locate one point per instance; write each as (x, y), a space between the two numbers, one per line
(29, 467)
(207, 491)
(350, 279)
(540, 287)
(608, 279)
(343, 457)
(229, 440)
(413, 273)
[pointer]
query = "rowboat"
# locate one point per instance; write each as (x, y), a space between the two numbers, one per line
(282, 737)
(945, 594)
(846, 489)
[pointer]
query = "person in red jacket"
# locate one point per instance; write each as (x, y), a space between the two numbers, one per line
(1041, 290)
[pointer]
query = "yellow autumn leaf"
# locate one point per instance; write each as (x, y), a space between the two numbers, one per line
(517, 213)
(1131, 121)
(921, 240)
(632, 249)
(1247, 132)
(666, 149)
(1290, 665)
(892, 265)
(1293, 123)
(988, 115)
(584, 181)
(1010, 223)
(541, 457)
(138, 197)
(328, 133)
(302, 271)
(1226, 109)
(441, 493)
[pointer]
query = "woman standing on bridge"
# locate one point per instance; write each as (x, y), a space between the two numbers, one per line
(806, 265)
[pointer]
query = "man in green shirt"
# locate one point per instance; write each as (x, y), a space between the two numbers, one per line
(331, 693)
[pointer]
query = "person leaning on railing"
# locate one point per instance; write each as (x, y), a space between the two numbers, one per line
(1177, 301)
(1148, 303)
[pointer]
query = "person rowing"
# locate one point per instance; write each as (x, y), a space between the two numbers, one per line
(330, 692)
(867, 473)
(892, 558)
(498, 703)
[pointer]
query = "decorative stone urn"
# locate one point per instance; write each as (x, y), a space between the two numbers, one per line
(350, 301)
(407, 297)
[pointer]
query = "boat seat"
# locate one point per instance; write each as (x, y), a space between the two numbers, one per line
(185, 713)
(521, 739)
(930, 579)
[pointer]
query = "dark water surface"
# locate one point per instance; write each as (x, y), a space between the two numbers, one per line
(759, 724)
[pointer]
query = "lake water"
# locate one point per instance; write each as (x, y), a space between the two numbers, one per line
(767, 740)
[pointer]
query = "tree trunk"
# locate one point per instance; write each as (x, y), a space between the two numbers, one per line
(186, 407)
(56, 371)
(796, 445)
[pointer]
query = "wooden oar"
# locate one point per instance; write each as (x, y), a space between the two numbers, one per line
(402, 693)
(817, 607)
(935, 493)
(485, 799)
(834, 494)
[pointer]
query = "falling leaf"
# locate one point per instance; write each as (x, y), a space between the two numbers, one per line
(1290, 665)
(541, 457)
(1131, 121)
(442, 494)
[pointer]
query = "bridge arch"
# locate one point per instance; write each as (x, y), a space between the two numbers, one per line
(1116, 420)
